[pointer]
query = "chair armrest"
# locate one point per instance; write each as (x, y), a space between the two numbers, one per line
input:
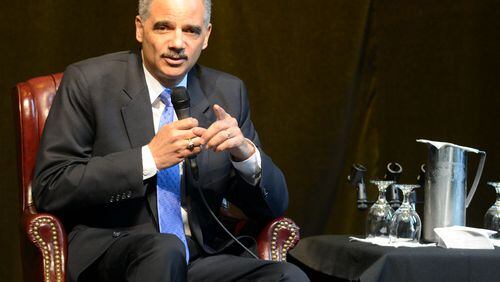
(46, 232)
(277, 238)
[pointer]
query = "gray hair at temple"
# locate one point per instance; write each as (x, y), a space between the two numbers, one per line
(145, 5)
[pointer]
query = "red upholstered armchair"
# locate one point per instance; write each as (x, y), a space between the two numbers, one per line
(43, 240)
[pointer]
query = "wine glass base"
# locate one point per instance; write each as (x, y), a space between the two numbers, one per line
(402, 240)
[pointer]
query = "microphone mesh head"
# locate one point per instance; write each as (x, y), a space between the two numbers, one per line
(180, 98)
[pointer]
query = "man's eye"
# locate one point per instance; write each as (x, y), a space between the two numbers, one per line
(161, 27)
(194, 31)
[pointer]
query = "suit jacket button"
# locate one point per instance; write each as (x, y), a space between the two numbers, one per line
(116, 234)
(265, 193)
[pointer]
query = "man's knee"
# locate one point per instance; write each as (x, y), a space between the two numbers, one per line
(157, 257)
(161, 246)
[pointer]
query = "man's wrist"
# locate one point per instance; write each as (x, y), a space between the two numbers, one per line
(251, 168)
(148, 163)
(239, 155)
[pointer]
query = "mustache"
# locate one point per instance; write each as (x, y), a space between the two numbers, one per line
(174, 55)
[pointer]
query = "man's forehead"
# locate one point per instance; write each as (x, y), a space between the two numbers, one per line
(178, 8)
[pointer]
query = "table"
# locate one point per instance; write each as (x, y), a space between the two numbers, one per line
(337, 257)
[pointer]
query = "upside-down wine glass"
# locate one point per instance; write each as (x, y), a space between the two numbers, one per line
(380, 213)
(492, 216)
(405, 224)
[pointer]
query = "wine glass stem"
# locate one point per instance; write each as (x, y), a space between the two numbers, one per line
(381, 196)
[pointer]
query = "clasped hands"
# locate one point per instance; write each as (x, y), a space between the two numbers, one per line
(183, 138)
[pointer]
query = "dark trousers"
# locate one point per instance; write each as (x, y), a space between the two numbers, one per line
(161, 257)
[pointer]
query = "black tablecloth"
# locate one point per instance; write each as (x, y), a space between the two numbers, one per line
(336, 256)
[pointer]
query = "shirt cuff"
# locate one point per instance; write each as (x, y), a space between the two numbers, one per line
(250, 169)
(148, 163)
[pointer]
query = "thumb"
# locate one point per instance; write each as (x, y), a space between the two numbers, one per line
(219, 112)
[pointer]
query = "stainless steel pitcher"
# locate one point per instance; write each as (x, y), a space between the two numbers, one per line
(446, 186)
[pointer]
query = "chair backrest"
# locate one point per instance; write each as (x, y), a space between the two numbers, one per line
(34, 98)
(43, 241)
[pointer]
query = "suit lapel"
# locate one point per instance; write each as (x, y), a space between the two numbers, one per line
(138, 117)
(199, 103)
(200, 109)
(137, 113)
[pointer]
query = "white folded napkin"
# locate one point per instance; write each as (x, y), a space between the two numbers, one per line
(462, 237)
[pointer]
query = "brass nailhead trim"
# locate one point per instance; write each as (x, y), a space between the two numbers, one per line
(44, 246)
(289, 242)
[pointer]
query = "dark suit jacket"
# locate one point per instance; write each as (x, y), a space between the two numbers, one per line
(89, 166)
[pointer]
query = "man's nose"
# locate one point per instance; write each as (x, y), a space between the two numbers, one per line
(177, 41)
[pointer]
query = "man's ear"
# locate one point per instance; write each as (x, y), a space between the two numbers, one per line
(139, 29)
(207, 36)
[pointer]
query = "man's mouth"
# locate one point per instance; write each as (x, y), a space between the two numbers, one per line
(174, 59)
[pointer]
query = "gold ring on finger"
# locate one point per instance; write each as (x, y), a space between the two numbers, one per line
(190, 145)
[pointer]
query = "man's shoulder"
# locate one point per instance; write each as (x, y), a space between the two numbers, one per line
(215, 82)
(117, 57)
(214, 75)
(104, 69)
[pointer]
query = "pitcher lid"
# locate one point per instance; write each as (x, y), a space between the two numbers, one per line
(439, 144)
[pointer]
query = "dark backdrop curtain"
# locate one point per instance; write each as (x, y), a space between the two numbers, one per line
(331, 83)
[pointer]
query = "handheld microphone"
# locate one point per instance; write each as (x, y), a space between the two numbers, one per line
(393, 173)
(356, 178)
(181, 102)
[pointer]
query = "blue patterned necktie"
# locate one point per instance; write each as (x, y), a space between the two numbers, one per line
(169, 186)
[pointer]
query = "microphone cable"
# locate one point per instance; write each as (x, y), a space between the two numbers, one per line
(205, 203)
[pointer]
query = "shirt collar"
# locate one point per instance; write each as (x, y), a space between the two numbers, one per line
(155, 88)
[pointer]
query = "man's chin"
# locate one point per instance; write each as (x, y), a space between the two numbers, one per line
(169, 76)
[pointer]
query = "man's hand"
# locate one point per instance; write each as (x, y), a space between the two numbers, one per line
(224, 134)
(171, 144)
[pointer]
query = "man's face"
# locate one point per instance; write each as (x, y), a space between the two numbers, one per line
(172, 38)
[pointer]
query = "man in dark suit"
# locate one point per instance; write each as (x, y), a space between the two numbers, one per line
(110, 137)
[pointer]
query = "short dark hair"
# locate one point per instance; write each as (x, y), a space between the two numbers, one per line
(145, 5)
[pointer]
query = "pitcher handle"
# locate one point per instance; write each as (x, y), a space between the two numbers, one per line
(476, 180)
